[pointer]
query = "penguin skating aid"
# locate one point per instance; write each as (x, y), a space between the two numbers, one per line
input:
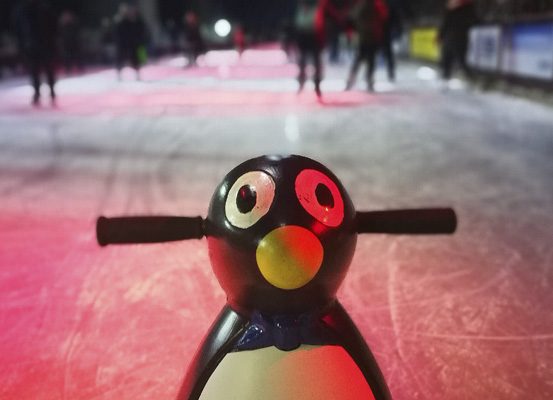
(281, 233)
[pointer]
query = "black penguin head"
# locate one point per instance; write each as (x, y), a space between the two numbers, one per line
(281, 234)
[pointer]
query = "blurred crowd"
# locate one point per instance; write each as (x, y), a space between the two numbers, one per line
(47, 42)
(366, 30)
(369, 27)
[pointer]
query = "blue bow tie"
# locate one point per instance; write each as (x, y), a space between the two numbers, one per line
(285, 332)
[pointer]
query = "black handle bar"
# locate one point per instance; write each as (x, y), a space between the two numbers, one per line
(423, 221)
(126, 230)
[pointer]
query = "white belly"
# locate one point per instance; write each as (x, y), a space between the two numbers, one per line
(308, 373)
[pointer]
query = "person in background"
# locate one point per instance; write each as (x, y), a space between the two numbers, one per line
(288, 36)
(453, 35)
(335, 14)
(69, 31)
(131, 38)
(369, 18)
(239, 39)
(309, 35)
(173, 32)
(393, 28)
(107, 40)
(194, 41)
(37, 26)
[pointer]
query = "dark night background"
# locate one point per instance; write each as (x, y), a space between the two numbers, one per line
(249, 12)
(269, 14)
(252, 14)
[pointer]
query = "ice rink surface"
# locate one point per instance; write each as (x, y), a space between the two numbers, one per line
(457, 317)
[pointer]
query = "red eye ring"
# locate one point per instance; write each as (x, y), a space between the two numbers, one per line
(306, 186)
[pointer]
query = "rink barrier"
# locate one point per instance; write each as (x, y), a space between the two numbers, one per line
(518, 51)
(423, 43)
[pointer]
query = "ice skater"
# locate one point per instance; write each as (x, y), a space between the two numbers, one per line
(309, 35)
(453, 35)
(369, 18)
(37, 26)
(130, 35)
(195, 44)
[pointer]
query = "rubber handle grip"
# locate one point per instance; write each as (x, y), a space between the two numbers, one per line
(425, 221)
(127, 230)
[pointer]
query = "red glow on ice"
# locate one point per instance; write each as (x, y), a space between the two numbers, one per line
(259, 82)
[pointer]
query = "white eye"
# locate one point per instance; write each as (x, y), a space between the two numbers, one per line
(249, 199)
(320, 197)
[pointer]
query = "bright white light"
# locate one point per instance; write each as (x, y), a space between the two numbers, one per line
(222, 28)
(427, 74)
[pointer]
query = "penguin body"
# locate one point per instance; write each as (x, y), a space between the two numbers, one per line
(307, 373)
(339, 367)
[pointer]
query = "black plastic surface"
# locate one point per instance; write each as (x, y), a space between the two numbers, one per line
(127, 230)
(426, 221)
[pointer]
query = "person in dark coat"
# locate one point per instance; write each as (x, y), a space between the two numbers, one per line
(453, 35)
(392, 30)
(369, 18)
(173, 32)
(70, 35)
(108, 40)
(131, 38)
(37, 26)
(309, 35)
(194, 41)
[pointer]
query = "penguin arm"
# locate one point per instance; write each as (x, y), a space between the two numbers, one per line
(349, 337)
(219, 341)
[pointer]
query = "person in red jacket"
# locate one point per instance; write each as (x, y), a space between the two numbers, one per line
(335, 14)
(239, 39)
(369, 18)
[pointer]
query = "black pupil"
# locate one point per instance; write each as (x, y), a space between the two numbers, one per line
(324, 197)
(246, 199)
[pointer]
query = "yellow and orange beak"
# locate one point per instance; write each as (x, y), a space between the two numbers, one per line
(289, 257)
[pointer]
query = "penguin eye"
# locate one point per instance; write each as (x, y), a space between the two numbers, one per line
(320, 197)
(246, 199)
(249, 199)
(324, 196)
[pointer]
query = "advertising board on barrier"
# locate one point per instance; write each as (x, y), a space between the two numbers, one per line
(485, 48)
(529, 50)
(423, 43)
